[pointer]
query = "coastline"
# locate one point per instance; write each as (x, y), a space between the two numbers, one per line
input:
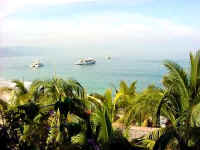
(10, 84)
(5, 95)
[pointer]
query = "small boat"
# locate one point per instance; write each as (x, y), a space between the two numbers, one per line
(87, 61)
(108, 57)
(36, 64)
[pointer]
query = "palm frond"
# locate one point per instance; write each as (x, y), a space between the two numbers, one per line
(164, 139)
(180, 81)
(102, 125)
(132, 88)
(195, 116)
(3, 104)
(123, 87)
(21, 87)
(108, 98)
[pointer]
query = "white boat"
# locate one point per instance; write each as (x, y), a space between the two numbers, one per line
(36, 64)
(108, 57)
(86, 61)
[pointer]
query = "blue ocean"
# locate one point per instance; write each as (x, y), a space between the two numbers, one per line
(95, 78)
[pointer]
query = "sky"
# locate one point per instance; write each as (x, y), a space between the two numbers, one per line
(149, 28)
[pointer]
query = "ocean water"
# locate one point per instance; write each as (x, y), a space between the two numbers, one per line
(95, 78)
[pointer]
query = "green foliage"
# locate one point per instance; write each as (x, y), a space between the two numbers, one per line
(102, 125)
(119, 142)
(3, 105)
(78, 139)
(144, 105)
(28, 111)
(180, 104)
(57, 114)
(20, 87)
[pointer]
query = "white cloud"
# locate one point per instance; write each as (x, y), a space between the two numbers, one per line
(11, 6)
(106, 31)
(114, 30)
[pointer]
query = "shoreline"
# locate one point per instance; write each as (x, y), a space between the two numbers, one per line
(5, 95)
(10, 84)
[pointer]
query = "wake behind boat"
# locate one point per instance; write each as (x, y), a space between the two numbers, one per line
(86, 61)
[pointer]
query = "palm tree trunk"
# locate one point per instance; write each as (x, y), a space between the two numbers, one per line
(140, 119)
(159, 111)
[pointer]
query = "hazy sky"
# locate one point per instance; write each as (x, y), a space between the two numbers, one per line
(114, 27)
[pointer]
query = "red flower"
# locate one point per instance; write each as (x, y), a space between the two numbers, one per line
(88, 112)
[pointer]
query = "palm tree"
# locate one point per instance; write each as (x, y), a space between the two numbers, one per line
(104, 134)
(127, 93)
(107, 101)
(67, 98)
(20, 95)
(181, 105)
(57, 88)
(102, 125)
(105, 109)
(117, 102)
(47, 91)
(143, 106)
(33, 107)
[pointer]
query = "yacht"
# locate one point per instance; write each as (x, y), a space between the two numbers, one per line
(36, 64)
(86, 61)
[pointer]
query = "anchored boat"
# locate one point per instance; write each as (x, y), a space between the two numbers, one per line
(86, 61)
(36, 64)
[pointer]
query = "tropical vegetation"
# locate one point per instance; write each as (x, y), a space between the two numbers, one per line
(58, 114)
